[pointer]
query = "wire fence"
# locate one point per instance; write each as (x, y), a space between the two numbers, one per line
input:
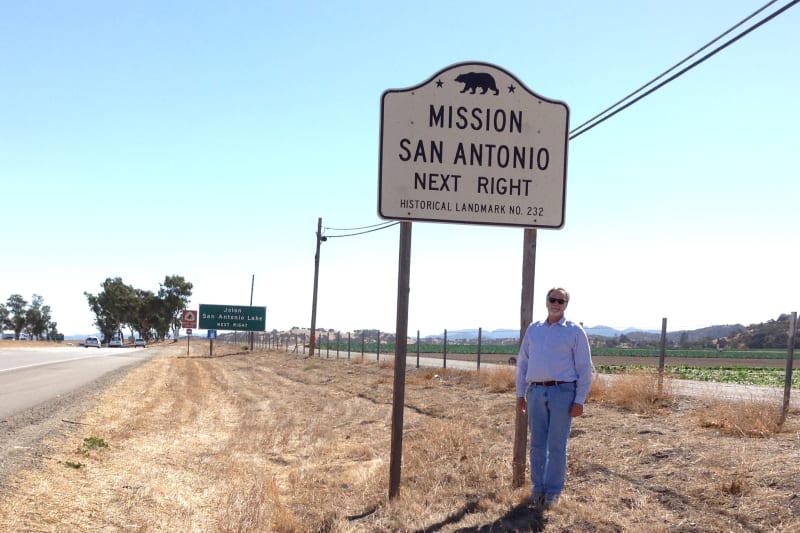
(375, 345)
(473, 346)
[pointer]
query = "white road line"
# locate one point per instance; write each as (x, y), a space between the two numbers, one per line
(55, 361)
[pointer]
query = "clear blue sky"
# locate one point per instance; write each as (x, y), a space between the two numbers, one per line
(204, 139)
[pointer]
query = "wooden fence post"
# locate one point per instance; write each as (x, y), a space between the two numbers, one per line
(787, 384)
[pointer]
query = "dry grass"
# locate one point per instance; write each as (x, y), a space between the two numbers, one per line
(646, 392)
(274, 442)
(640, 392)
(499, 379)
(748, 417)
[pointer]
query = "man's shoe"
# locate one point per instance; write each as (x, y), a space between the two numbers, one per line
(550, 500)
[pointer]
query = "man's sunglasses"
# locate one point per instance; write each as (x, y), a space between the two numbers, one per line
(560, 301)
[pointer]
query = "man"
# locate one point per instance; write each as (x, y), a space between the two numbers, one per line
(554, 372)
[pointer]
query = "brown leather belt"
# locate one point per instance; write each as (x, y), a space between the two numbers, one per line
(549, 383)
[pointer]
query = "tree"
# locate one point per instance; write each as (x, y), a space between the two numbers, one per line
(37, 318)
(684, 341)
(119, 305)
(16, 305)
(175, 293)
(113, 307)
(34, 320)
(4, 322)
(52, 332)
(155, 316)
(143, 317)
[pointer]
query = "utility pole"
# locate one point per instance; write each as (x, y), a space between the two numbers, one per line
(320, 239)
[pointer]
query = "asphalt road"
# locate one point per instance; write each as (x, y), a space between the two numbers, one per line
(31, 376)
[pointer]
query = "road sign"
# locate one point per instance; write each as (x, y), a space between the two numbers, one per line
(189, 319)
(232, 317)
(188, 331)
(473, 145)
(211, 334)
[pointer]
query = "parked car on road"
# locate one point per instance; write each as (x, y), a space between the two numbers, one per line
(140, 342)
(117, 341)
(92, 342)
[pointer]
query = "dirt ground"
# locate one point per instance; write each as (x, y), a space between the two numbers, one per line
(277, 442)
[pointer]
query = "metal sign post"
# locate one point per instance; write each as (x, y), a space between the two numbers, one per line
(401, 343)
(526, 317)
(211, 334)
(471, 145)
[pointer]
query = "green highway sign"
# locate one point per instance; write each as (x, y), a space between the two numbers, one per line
(232, 317)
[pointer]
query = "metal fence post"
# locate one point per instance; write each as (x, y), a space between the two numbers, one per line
(480, 334)
(662, 352)
(417, 348)
(444, 352)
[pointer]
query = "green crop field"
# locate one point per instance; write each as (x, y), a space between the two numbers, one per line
(768, 377)
(512, 349)
(750, 375)
(426, 348)
(727, 354)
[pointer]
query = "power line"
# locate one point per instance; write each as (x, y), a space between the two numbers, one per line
(354, 229)
(583, 128)
(381, 226)
(592, 122)
(684, 60)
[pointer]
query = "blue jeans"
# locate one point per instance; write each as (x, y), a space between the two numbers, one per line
(549, 422)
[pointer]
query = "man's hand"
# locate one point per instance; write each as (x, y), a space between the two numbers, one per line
(575, 410)
(522, 405)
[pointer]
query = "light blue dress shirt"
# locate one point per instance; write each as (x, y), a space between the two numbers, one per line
(555, 352)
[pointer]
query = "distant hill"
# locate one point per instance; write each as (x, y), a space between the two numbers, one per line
(605, 331)
(472, 334)
(680, 336)
(633, 334)
(770, 334)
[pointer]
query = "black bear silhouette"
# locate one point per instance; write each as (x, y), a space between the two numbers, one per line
(474, 80)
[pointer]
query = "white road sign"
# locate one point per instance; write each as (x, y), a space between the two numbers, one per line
(473, 145)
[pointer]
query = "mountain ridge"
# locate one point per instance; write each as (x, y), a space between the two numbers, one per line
(635, 334)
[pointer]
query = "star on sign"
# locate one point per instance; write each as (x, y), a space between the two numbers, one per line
(439, 83)
(511, 88)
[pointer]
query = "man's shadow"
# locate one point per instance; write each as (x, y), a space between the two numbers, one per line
(525, 517)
